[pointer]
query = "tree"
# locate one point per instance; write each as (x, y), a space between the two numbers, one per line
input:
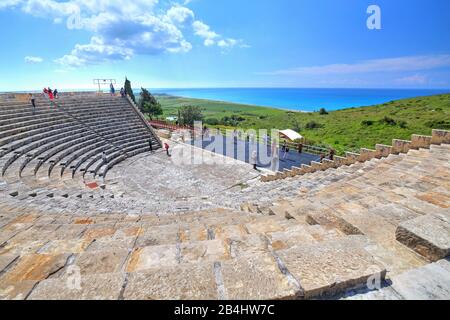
(129, 90)
(189, 114)
(146, 97)
(152, 110)
(323, 111)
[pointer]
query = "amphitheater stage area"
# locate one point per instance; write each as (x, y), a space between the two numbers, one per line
(87, 211)
(177, 183)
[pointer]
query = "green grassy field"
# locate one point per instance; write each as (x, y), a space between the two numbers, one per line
(345, 130)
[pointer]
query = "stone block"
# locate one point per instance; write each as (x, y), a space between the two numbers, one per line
(428, 235)
(257, 277)
(90, 287)
(182, 282)
(329, 268)
(440, 136)
(400, 146)
(420, 141)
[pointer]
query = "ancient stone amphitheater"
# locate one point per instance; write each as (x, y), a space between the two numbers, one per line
(374, 225)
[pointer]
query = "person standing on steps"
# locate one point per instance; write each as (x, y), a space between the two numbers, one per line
(286, 150)
(51, 97)
(166, 147)
(111, 89)
(55, 94)
(104, 157)
(150, 145)
(122, 92)
(322, 156)
(254, 159)
(331, 154)
(33, 103)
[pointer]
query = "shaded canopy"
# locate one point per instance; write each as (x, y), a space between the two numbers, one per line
(290, 134)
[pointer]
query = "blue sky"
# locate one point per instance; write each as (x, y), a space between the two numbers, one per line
(224, 43)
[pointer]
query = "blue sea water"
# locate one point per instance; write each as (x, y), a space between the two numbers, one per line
(301, 99)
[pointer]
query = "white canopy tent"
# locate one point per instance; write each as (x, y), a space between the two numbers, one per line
(291, 134)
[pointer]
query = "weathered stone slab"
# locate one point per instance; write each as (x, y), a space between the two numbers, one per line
(91, 287)
(6, 260)
(257, 277)
(110, 261)
(65, 246)
(428, 235)
(21, 247)
(264, 225)
(158, 235)
(98, 232)
(230, 231)
(331, 267)
(15, 290)
(183, 282)
(292, 237)
(68, 232)
(204, 251)
(198, 233)
(435, 198)
(431, 282)
(327, 218)
(251, 244)
(440, 136)
(107, 243)
(34, 267)
(153, 257)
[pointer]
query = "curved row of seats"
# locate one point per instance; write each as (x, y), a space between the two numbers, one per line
(70, 133)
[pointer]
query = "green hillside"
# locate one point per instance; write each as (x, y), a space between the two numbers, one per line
(345, 130)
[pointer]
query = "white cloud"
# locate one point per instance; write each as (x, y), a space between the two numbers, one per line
(400, 64)
(33, 60)
(121, 31)
(416, 79)
(180, 15)
(9, 3)
(94, 52)
(204, 31)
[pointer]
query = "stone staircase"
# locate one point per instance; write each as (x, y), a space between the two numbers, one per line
(217, 254)
(380, 151)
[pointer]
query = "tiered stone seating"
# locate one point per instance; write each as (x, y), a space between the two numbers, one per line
(399, 202)
(70, 134)
(334, 233)
(213, 254)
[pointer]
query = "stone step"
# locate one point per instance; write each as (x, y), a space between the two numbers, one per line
(331, 267)
(428, 235)
(430, 282)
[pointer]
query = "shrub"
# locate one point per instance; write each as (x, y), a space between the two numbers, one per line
(402, 124)
(212, 121)
(367, 123)
(322, 111)
(314, 125)
(438, 124)
(388, 121)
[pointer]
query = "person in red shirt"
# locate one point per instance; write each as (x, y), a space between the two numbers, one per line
(166, 146)
(50, 94)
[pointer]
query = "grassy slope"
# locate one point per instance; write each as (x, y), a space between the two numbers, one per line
(341, 129)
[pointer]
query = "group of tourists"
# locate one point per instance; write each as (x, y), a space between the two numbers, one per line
(112, 90)
(330, 156)
(50, 94)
